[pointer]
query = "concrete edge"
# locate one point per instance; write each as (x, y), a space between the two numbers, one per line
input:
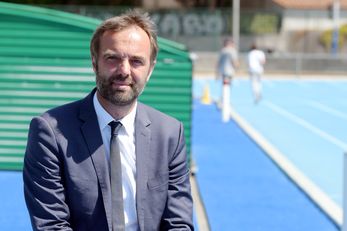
(322, 200)
(201, 214)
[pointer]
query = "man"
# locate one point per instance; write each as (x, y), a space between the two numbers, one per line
(227, 61)
(256, 61)
(70, 157)
(226, 66)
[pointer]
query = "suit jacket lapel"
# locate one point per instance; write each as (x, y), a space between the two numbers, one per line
(142, 144)
(91, 132)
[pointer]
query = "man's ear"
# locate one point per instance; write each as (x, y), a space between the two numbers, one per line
(95, 65)
(151, 71)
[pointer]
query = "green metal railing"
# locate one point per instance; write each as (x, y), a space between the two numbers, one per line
(45, 62)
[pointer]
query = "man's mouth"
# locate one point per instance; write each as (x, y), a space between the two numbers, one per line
(121, 84)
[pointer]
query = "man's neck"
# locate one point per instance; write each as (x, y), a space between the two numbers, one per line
(116, 111)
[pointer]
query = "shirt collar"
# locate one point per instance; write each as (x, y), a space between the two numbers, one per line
(104, 118)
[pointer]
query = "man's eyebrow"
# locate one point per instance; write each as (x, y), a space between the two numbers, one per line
(110, 53)
(138, 57)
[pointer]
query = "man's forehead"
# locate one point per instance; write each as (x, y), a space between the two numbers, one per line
(132, 30)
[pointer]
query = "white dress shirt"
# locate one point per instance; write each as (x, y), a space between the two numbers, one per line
(126, 138)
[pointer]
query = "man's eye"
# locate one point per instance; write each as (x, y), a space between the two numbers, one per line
(111, 58)
(137, 62)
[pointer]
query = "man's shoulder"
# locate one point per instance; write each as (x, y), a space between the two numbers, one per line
(69, 110)
(155, 114)
(161, 124)
(69, 106)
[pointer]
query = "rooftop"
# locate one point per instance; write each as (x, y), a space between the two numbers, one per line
(309, 4)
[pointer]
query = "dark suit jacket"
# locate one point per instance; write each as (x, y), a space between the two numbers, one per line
(66, 176)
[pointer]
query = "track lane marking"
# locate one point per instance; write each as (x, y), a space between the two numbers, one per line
(307, 125)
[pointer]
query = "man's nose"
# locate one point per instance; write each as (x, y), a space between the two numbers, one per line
(124, 67)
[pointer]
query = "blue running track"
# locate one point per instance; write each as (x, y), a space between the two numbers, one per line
(241, 187)
(13, 213)
(305, 119)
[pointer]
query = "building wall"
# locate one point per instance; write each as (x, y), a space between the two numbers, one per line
(160, 4)
(286, 31)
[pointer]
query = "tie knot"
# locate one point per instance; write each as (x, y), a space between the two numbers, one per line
(115, 127)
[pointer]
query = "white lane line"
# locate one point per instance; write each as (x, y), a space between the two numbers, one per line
(327, 109)
(321, 198)
(306, 125)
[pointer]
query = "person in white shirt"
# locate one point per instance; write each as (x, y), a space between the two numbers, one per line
(256, 60)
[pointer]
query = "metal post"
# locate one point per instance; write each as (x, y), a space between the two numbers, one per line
(344, 208)
(236, 23)
(298, 64)
(226, 102)
(335, 35)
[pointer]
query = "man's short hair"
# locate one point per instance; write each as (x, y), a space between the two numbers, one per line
(228, 40)
(121, 22)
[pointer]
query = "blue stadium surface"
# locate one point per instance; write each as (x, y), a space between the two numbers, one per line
(241, 187)
(13, 213)
(305, 119)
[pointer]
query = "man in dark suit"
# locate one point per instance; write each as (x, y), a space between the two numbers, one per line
(67, 165)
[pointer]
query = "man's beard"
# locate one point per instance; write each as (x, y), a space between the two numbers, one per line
(115, 96)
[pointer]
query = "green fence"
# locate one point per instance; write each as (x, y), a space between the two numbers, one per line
(45, 62)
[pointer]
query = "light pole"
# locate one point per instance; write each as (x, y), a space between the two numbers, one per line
(236, 23)
(335, 35)
(344, 199)
(226, 84)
